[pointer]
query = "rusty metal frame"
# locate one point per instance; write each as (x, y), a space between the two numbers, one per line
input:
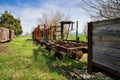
(61, 46)
(62, 27)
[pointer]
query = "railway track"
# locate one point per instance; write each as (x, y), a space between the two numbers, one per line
(77, 74)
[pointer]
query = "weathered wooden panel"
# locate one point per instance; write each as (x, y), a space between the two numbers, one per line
(11, 34)
(4, 34)
(106, 22)
(115, 45)
(107, 56)
(106, 44)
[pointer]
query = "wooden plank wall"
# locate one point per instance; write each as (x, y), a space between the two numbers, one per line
(104, 47)
(106, 43)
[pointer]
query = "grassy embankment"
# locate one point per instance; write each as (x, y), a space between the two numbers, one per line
(20, 59)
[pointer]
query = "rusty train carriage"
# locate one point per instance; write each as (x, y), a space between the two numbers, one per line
(11, 34)
(70, 49)
(6, 34)
(47, 36)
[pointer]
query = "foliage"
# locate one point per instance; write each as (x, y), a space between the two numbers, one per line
(7, 20)
(53, 18)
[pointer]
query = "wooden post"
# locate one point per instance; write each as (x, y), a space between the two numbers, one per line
(77, 31)
(89, 65)
(62, 29)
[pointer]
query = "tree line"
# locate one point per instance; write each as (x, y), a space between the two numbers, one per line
(8, 21)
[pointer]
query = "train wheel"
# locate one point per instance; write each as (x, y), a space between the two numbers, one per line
(61, 56)
(58, 55)
(79, 55)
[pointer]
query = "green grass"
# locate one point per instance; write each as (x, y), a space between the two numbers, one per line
(82, 38)
(20, 59)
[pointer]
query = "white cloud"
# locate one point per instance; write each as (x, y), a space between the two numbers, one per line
(29, 15)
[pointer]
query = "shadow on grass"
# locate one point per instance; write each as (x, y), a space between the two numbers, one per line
(27, 42)
(35, 54)
(64, 67)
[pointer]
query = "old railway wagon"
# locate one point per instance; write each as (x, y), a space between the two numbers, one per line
(47, 36)
(11, 34)
(6, 34)
(36, 34)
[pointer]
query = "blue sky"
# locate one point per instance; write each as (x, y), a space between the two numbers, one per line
(30, 11)
(21, 2)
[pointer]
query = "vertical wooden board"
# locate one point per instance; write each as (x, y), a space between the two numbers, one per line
(90, 34)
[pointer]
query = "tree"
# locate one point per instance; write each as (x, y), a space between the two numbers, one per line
(53, 18)
(56, 18)
(102, 9)
(7, 20)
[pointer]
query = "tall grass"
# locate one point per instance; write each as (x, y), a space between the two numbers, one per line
(23, 60)
(82, 37)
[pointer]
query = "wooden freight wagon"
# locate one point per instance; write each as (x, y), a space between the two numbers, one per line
(104, 47)
(36, 34)
(11, 34)
(4, 34)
